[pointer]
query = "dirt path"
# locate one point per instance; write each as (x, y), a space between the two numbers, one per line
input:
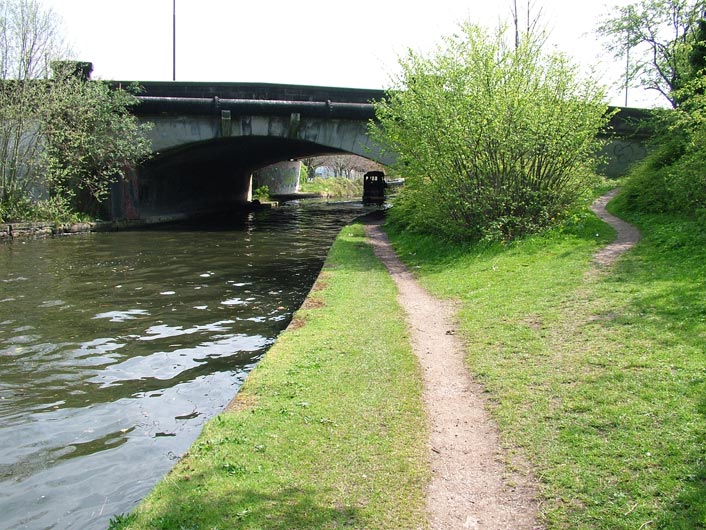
(468, 488)
(627, 237)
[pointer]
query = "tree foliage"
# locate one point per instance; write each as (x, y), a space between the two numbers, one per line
(494, 140)
(672, 179)
(671, 35)
(29, 39)
(90, 139)
(341, 165)
(62, 139)
(658, 35)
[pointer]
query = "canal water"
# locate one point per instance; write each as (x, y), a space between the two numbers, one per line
(116, 348)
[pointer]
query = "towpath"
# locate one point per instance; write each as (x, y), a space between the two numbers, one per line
(471, 486)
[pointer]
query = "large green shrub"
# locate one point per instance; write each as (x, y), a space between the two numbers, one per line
(90, 139)
(672, 179)
(494, 140)
(63, 140)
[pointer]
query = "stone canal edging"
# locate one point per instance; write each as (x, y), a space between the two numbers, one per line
(12, 231)
(42, 229)
(38, 230)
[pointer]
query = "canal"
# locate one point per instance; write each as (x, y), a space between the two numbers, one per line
(116, 348)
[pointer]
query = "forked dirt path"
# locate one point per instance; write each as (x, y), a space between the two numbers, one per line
(471, 487)
(468, 488)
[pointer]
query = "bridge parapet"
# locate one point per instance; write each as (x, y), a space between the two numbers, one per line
(150, 105)
(266, 91)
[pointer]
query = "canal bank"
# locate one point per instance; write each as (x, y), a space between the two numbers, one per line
(36, 230)
(362, 415)
(115, 348)
(328, 431)
(570, 348)
(41, 229)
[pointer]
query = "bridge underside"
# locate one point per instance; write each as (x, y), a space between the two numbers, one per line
(214, 175)
(203, 161)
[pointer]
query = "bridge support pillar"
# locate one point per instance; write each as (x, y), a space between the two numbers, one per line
(281, 178)
(124, 203)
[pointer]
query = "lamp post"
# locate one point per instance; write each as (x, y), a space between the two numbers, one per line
(173, 40)
(627, 69)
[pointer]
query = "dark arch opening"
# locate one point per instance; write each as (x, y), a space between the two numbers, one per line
(213, 175)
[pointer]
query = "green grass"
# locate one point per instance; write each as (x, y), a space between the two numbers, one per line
(329, 429)
(333, 187)
(598, 380)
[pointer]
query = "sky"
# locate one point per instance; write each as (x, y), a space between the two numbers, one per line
(309, 42)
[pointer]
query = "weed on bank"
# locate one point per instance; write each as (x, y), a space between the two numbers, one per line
(598, 377)
(327, 432)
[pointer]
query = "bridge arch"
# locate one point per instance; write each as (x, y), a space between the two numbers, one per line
(205, 150)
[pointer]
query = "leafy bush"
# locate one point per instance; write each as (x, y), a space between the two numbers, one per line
(90, 139)
(261, 194)
(54, 209)
(672, 179)
(64, 138)
(494, 141)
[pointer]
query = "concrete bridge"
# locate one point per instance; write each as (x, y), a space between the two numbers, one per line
(208, 139)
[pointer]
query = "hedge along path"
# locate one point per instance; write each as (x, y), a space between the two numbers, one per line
(469, 487)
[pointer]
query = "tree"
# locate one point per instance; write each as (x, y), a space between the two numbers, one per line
(90, 139)
(672, 178)
(29, 40)
(658, 35)
(697, 55)
(310, 164)
(493, 140)
(532, 22)
(341, 165)
(64, 138)
(670, 36)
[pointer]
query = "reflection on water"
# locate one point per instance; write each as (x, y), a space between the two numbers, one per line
(115, 348)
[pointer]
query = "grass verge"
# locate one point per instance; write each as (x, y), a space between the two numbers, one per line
(599, 380)
(327, 432)
(333, 187)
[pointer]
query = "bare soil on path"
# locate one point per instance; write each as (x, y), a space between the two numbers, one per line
(627, 234)
(469, 487)
(472, 486)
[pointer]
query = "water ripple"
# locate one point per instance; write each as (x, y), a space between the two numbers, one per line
(122, 316)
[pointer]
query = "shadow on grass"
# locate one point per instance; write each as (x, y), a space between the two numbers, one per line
(688, 511)
(665, 278)
(290, 508)
(432, 253)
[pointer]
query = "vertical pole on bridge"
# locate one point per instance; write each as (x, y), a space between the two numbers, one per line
(627, 69)
(173, 40)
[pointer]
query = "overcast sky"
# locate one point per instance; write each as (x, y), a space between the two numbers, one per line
(310, 42)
